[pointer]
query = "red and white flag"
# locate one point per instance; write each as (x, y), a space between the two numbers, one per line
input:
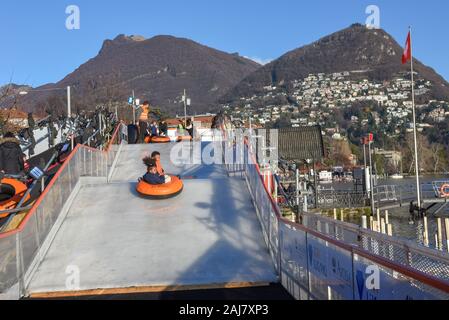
(407, 55)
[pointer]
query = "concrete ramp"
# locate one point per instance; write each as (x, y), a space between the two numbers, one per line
(208, 236)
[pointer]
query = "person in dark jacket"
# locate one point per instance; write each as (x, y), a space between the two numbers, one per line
(143, 121)
(189, 127)
(11, 155)
(133, 133)
(154, 129)
(163, 128)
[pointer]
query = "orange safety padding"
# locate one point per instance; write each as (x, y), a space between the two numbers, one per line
(161, 191)
(20, 188)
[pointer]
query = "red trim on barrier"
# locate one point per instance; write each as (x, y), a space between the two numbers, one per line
(114, 135)
(406, 271)
(52, 182)
(110, 143)
(92, 149)
(273, 203)
(41, 197)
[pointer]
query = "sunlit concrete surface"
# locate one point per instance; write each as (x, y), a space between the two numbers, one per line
(207, 235)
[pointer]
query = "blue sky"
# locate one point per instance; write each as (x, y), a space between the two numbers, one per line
(37, 48)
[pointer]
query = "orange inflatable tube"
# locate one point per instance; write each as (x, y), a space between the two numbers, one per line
(14, 191)
(160, 140)
(184, 138)
(161, 191)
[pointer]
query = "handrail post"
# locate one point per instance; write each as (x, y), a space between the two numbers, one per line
(309, 285)
(19, 265)
(280, 243)
(353, 276)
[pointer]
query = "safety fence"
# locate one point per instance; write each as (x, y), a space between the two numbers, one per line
(326, 259)
(21, 249)
(403, 195)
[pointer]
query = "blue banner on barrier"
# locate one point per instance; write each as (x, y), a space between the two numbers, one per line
(294, 254)
(340, 273)
(375, 283)
(331, 270)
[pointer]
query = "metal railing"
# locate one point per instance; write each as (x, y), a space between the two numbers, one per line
(21, 249)
(21, 207)
(402, 195)
(341, 199)
(327, 259)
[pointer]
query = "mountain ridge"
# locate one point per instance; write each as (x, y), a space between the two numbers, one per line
(354, 48)
(161, 67)
(157, 69)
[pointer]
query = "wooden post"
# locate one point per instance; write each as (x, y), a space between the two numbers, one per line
(426, 233)
(378, 220)
(375, 226)
(335, 214)
(387, 217)
(382, 226)
(371, 223)
(390, 230)
(364, 222)
(440, 234)
(342, 215)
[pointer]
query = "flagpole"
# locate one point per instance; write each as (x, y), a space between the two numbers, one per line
(418, 185)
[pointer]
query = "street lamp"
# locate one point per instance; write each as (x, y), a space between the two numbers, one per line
(187, 102)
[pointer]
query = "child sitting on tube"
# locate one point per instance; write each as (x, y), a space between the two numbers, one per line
(152, 176)
(156, 156)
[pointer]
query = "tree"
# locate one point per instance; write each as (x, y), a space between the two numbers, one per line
(341, 152)
(426, 161)
(380, 164)
(439, 157)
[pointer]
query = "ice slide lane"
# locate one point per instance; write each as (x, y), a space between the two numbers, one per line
(207, 237)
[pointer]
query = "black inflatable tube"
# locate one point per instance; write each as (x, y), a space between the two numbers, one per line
(7, 192)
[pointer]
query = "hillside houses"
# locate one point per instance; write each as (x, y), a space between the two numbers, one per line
(314, 99)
